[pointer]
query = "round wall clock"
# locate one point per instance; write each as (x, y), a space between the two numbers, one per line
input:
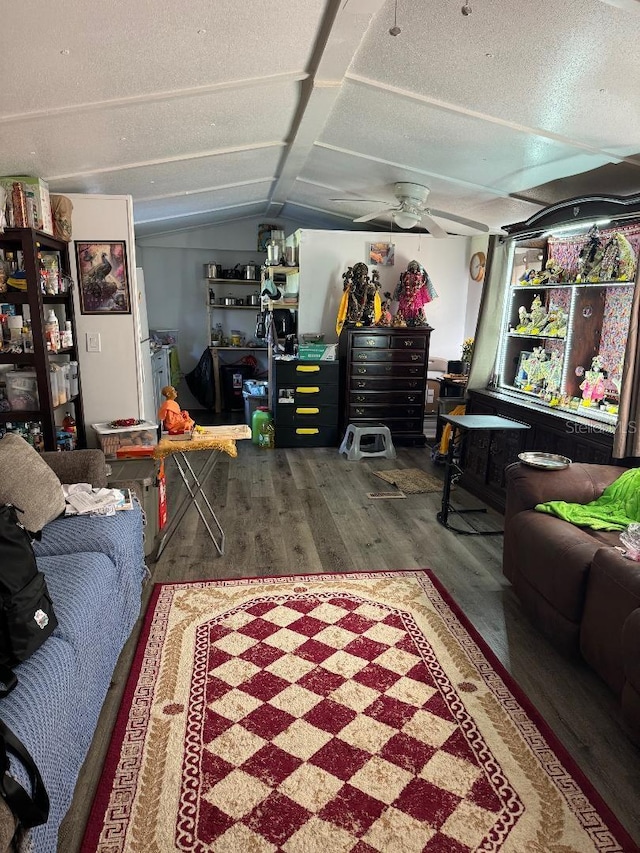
(476, 266)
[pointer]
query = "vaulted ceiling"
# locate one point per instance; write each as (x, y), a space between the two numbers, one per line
(213, 110)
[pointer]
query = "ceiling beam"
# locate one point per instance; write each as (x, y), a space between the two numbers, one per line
(344, 25)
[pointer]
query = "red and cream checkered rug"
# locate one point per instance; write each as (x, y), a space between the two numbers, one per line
(351, 713)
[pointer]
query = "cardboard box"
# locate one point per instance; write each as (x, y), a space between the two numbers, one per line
(432, 396)
(317, 352)
(38, 202)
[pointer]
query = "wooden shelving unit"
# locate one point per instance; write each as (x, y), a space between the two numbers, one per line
(30, 243)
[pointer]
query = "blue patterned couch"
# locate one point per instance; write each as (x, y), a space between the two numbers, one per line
(94, 569)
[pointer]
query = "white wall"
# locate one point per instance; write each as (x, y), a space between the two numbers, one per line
(325, 255)
(109, 377)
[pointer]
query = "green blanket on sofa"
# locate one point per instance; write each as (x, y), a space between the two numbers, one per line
(616, 508)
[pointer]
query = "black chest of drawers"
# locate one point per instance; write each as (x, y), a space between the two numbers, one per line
(383, 379)
(305, 403)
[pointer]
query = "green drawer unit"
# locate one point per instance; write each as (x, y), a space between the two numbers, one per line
(305, 403)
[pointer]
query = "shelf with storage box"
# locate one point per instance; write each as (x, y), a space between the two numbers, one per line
(54, 382)
(568, 293)
(384, 379)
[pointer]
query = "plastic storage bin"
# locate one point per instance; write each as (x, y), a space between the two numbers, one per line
(255, 395)
(112, 439)
(22, 390)
(139, 476)
(233, 378)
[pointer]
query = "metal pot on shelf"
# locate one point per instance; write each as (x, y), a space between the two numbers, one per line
(214, 271)
(227, 300)
(253, 300)
(251, 271)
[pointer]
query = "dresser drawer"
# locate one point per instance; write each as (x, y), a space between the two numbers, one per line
(384, 411)
(409, 342)
(395, 397)
(371, 340)
(307, 372)
(392, 356)
(319, 436)
(377, 369)
(386, 383)
(398, 425)
(287, 415)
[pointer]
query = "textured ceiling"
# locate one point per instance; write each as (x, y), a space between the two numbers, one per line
(205, 112)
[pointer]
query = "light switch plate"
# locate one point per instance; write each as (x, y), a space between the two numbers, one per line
(93, 342)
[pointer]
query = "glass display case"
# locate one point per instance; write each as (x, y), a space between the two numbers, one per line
(567, 309)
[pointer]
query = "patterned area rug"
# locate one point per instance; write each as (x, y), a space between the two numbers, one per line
(411, 481)
(332, 714)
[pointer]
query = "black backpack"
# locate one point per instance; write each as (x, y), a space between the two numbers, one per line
(26, 612)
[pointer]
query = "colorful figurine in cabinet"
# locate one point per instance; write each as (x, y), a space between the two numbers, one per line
(173, 419)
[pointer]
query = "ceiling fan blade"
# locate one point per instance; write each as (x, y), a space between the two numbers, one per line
(370, 216)
(479, 226)
(434, 229)
(372, 200)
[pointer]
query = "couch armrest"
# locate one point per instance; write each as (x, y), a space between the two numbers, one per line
(78, 466)
(578, 483)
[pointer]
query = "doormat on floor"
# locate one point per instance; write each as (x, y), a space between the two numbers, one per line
(345, 712)
(411, 481)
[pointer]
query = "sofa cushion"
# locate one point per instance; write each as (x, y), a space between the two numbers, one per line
(27, 482)
(554, 557)
(613, 596)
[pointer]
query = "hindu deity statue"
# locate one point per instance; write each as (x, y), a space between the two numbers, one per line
(360, 304)
(592, 387)
(413, 291)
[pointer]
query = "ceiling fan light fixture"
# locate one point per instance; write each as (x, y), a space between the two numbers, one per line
(406, 218)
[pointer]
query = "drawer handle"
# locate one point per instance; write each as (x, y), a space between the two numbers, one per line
(362, 370)
(307, 431)
(408, 342)
(414, 371)
(307, 389)
(363, 356)
(361, 384)
(413, 385)
(415, 358)
(307, 368)
(359, 411)
(388, 368)
(360, 399)
(411, 398)
(371, 342)
(310, 410)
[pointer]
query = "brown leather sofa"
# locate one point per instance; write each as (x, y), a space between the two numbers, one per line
(581, 592)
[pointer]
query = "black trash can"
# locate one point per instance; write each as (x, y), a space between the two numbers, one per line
(233, 377)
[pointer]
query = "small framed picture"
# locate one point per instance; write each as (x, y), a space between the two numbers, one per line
(102, 277)
(382, 254)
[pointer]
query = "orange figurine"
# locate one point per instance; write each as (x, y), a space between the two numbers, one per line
(173, 419)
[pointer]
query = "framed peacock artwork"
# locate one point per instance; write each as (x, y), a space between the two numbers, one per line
(102, 278)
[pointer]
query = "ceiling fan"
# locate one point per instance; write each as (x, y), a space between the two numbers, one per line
(411, 209)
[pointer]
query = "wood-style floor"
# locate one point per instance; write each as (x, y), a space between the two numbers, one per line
(301, 511)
